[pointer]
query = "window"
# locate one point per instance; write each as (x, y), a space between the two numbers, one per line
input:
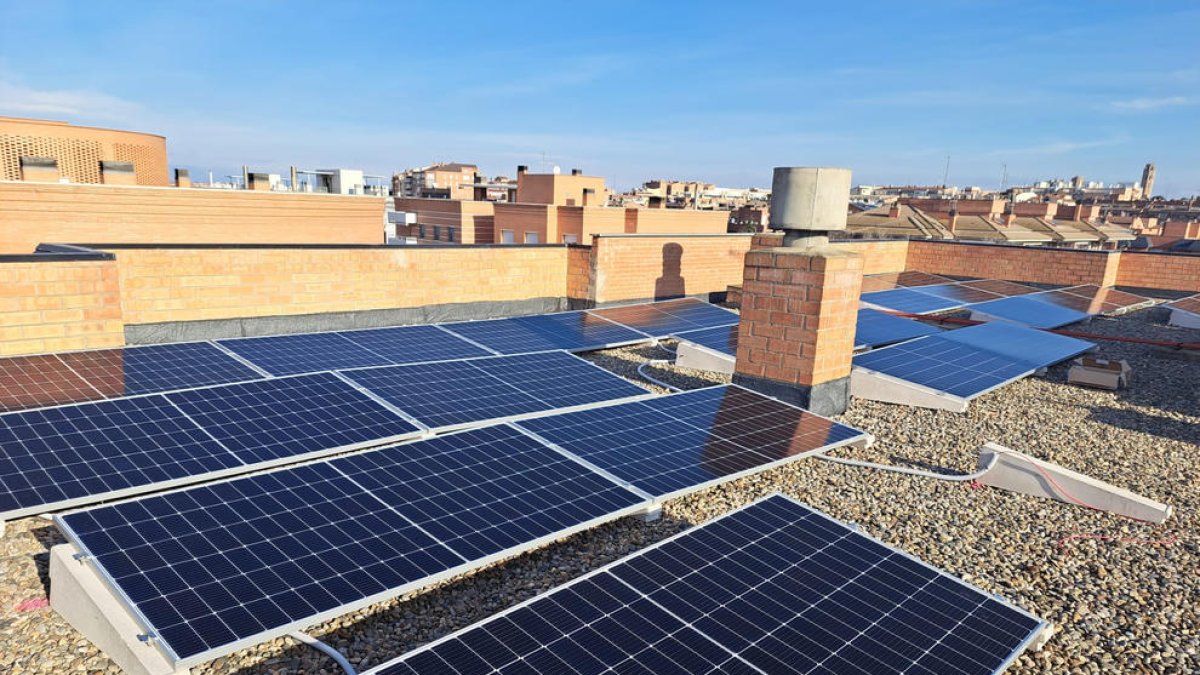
(437, 232)
(421, 231)
(449, 234)
(570, 239)
(506, 236)
(531, 237)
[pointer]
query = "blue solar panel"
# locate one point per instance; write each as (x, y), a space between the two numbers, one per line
(959, 369)
(53, 457)
(660, 319)
(876, 328)
(153, 368)
(1028, 310)
(414, 344)
(775, 587)
(462, 392)
(1033, 347)
(573, 331)
(305, 353)
(680, 442)
(486, 490)
(290, 417)
(250, 558)
(910, 300)
(722, 339)
(211, 565)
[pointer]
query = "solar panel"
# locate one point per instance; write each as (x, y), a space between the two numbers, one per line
(964, 295)
(43, 380)
(414, 344)
(1190, 304)
(290, 417)
(660, 319)
(573, 331)
(455, 393)
(485, 491)
(54, 457)
(1035, 347)
(972, 361)
(1028, 310)
(678, 443)
(1000, 287)
(1070, 301)
(888, 281)
(1109, 299)
(722, 339)
(216, 567)
(910, 301)
(147, 369)
(774, 587)
(304, 353)
(875, 328)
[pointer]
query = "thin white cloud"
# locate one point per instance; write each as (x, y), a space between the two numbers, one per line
(20, 100)
(1147, 104)
(1058, 147)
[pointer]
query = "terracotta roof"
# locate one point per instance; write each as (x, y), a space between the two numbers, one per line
(911, 222)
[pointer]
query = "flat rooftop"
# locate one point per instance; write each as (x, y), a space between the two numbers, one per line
(1122, 594)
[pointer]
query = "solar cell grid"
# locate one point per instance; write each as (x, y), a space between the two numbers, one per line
(958, 369)
(1034, 347)
(777, 586)
(1190, 304)
(130, 371)
(721, 339)
(962, 294)
(1110, 299)
(414, 344)
(668, 317)
(1028, 310)
(44, 380)
(53, 457)
(671, 444)
(290, 417)
(875, 328)
(573, 331)
(212, 565)
(304, 353)
(910, 300)
(442, 395)
(1086, 305)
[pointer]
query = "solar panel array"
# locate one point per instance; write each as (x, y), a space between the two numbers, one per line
(572, 331)
(873, 329)
(455, 393)
(722, 339)
(216, 566)
(908, 278)
(774, 587)
(72, 377)
(1190, 304)
(910, 300)
(1029, 311)
(971, 361)
(660, 319)
(673, 444)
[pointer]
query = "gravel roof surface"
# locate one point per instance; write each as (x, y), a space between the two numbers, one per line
(1124, 595)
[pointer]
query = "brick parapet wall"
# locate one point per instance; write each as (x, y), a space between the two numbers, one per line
(35, 213)
(1014, 263)
(57, 306)
(1176, 272)
(639, 267)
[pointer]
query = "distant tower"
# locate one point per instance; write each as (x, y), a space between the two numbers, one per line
(1148, 181)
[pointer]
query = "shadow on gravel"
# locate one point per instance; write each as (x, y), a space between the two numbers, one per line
(445, 609)
(909, 462)
(47, 536)
(1156, 425)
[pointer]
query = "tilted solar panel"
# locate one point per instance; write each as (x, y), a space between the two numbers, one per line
(153, 368)
(773, 587)
(722, 339)
(43, 380)
(55, 457)
(1109, 299)
(290, 417)
(1190, 304)
(875, 328)
(674, 444)
(1000, 287)
(414, 344)
(1034, 347)
(660, 319)
(572, 331)
(965, 295)
(455, 393)
(303, 353)
(1030, 311)
(215, 567)
(958, 369)
(910, 300)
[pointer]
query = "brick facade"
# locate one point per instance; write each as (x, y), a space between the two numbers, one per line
(1160, 271)
(1014, 263)
(57, 306)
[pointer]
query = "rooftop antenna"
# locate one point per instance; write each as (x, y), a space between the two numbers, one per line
(545, 161)
(946, 174)
(1003, 176)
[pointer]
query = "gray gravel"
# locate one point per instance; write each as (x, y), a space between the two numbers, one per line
(1121, 606)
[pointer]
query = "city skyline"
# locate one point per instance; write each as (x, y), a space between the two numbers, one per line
(633, 94)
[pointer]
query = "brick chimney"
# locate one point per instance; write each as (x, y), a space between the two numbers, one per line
(117, 173)
(894, 211)
(576, 172)
(39, 169)
(588, 195)
(952, 220)
(654, 202)
(259, 181)
(800, 296)
(521, 169)
(183, 178)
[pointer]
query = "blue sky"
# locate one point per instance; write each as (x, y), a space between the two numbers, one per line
(630, 90)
